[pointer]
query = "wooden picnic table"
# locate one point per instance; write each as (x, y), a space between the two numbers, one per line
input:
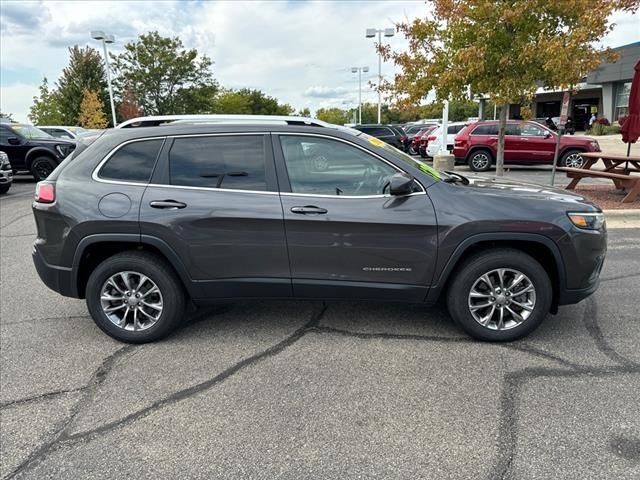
(625, 176)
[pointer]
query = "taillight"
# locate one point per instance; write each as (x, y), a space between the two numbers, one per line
(45, 192)
(431, 138)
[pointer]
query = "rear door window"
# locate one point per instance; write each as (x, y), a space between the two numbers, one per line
(485, 130)
(234, 162)
(132, 162)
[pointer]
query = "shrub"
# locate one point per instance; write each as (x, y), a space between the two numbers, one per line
(603, 121)
(601, 129)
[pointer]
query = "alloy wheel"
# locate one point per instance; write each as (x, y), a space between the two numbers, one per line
(131, 301)
(574, 160)
(480, 161)
(502, 299)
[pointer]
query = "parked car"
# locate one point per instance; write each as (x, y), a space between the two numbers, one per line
(6, 173)
(205, 213)
(386, 133)
(434, 138)
(526, 143)
(67, 133)
(30, 149)
(414, 148)
(424, 140)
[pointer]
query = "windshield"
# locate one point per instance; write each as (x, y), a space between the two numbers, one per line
(403, 157)
(30, 132)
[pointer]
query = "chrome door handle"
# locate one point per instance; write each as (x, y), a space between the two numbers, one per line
(167, 204)
(309, 210)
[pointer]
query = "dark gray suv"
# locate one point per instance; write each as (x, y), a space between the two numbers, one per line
(146, 219)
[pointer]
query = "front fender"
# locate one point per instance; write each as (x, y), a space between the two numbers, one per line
(37, 152)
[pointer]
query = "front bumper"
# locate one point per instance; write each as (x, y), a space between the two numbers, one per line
(58, 279)
(6, 176)
(571, 296)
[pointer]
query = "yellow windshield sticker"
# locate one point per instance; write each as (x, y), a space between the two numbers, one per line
(377, 142)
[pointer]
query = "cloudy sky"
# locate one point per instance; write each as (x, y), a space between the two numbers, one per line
(298, 51)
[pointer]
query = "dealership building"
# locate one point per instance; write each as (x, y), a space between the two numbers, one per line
(605, 91)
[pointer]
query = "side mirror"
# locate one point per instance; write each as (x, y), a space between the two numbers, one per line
(13, 141)
(401, 184)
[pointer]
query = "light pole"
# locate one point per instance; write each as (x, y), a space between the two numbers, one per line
(371, 32)
(99, 35)
(359, 70)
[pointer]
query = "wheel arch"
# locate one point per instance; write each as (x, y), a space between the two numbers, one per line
(541, 248)
(475, 148)
(36, 152)
(94, 249)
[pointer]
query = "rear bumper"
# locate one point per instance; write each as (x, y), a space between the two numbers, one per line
(58, 279)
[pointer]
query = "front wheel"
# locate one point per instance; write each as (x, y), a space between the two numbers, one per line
(5, 188)
(135, 297)
(500, 295)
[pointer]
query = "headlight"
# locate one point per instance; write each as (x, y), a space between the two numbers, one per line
(587, 221)
(64, 150)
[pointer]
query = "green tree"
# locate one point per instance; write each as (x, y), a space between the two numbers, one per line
(305, 112)
(503, 48)
(46, 106)
(8, 116)
(165, 77)
(251, 102)
(84, 72)
(334, 115)
(92, 111)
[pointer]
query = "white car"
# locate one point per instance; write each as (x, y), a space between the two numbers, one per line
(58, 131)
(433, 147)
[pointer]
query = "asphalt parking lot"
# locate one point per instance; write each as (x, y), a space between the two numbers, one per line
(308, 390)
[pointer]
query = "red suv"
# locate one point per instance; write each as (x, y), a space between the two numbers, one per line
(527, 143)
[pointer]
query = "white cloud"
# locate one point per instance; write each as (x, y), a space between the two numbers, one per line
(299, 52)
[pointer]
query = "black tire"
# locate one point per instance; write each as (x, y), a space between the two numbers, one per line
(5, 188)
(41, 167)
(480, 160)
(159, 272)
(572, 158)
(469, 272)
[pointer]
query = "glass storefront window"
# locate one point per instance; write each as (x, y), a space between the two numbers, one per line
(622, 100)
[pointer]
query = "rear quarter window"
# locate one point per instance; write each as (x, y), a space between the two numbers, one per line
(132, 162)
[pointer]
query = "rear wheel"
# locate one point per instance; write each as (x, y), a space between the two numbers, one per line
(5, 188)
(480, 160)
(499, 295)
(41, 168)
(135, 297)
(572, 159)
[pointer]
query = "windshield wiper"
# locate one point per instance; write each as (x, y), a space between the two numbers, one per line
(455, 178)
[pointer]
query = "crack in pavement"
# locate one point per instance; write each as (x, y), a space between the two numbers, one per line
(42, 396)
(61, 428)
(19, 235)
(8, 224)
(513, 382)
(619, 277)
(63, 438)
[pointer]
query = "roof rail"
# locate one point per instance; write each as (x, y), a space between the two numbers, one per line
(154, 121)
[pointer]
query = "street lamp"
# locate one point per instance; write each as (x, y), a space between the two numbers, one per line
(99, 35)
(371, 32)
(359, 70)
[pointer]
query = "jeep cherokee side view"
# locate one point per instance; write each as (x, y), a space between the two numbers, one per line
(146, 219)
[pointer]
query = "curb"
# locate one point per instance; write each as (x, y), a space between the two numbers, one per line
(623, 218)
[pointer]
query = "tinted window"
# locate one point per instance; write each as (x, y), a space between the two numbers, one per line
(485, 130)
(328, 167)
(512, 129)
(233, 162)
(381, 132)
(133, 162)
(454, 129)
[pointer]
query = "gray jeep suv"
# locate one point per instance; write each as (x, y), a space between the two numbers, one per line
(146, 219)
